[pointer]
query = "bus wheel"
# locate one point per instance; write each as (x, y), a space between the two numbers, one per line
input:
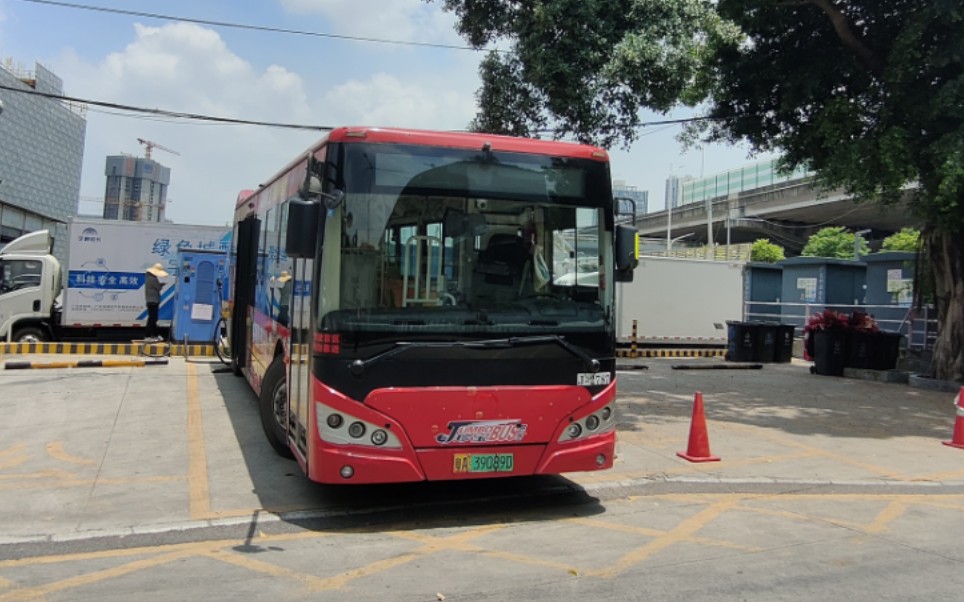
(273, 405)
(31, 334)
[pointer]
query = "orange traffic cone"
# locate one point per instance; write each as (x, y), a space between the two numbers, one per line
(699, 445)
(957, 439)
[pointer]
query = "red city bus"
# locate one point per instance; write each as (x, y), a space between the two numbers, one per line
(414, 305)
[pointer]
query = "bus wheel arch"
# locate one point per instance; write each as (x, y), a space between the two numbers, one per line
(272, 404)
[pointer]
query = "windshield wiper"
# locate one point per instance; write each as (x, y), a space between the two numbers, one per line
(358, 366)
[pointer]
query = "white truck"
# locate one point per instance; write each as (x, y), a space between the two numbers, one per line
(677, 302)
(101, 293)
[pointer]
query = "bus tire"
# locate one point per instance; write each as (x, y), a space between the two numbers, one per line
(273, 401)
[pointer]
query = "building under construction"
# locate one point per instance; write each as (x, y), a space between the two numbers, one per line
(136, 189)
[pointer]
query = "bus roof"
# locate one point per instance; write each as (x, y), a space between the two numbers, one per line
(467, 140)
(461, 140)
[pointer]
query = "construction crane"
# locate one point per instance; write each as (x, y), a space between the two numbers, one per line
(148, 146)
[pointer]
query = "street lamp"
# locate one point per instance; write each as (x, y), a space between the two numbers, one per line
(857, 238)
(670, 246)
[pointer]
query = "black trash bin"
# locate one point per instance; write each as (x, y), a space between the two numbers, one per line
(783, 352)
(874, 350)
(765, 334)
(829, 352)
(862, 350)
(887, 350)
(740, 341)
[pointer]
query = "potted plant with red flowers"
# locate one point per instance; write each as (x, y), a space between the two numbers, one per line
(825, 341)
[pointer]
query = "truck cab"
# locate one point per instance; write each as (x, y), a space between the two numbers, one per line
(30, 282)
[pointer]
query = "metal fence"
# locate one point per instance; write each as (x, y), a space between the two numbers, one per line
(919, 326)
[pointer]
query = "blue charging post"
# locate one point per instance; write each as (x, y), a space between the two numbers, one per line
(198, 301)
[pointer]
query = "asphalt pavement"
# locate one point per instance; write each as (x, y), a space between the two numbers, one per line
(125, 481)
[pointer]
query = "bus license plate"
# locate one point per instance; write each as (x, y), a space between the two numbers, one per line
(483, 463)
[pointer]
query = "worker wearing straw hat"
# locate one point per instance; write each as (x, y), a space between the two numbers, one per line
(152, 296)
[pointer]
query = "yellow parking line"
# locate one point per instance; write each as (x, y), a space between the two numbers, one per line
(682, 532)
(200, 499)
(55, 449)
(41, 592)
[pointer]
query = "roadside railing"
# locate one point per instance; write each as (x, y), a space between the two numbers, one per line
(919, 326)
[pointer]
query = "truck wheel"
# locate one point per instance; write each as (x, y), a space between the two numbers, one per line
(273, 405)
(31, 334)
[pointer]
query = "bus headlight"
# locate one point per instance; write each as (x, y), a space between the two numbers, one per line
(599, 422)
(341, 427)
(356, 430)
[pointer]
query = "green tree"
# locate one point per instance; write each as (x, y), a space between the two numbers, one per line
(905, 240)
(765, 251)
(586, 68)
(868, 93)
(833, 242)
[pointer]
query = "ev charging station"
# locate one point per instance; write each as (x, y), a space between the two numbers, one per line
(201, 276)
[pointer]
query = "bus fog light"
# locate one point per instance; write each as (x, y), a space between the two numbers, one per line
(356, 430)
(335, 420)
(592, 423)
(607, 413)
(379, 437)
(574, 431)
(600, 460)
(347, 472)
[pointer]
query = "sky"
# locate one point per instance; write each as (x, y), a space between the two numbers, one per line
(275, 77)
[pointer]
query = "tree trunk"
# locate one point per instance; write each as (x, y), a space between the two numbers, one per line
(945, 249)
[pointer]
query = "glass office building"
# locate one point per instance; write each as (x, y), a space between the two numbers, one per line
(41, 155)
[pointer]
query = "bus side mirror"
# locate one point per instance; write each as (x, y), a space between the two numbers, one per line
(301, 238)
(627, 252)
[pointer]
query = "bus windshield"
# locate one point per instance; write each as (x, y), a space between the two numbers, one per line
(432, 240)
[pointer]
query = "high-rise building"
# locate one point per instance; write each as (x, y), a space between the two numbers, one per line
(136, 189)
(640, 197)
(41, 154)
(672, 195)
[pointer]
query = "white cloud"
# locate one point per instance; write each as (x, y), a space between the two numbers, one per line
(385, 100)
(412, 20)
(188, 68)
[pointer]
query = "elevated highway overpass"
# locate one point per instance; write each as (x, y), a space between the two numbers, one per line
(786, 213)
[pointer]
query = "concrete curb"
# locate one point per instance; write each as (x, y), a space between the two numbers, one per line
(134, 348)
(135, 363)
(644, 353)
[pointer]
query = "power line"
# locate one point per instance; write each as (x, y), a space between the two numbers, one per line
(171, 114)
(213, 119)
(265, 28)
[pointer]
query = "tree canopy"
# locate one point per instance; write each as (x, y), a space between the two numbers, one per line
(765, 251)
(907, 239)
(833, 242)
(586, 68)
